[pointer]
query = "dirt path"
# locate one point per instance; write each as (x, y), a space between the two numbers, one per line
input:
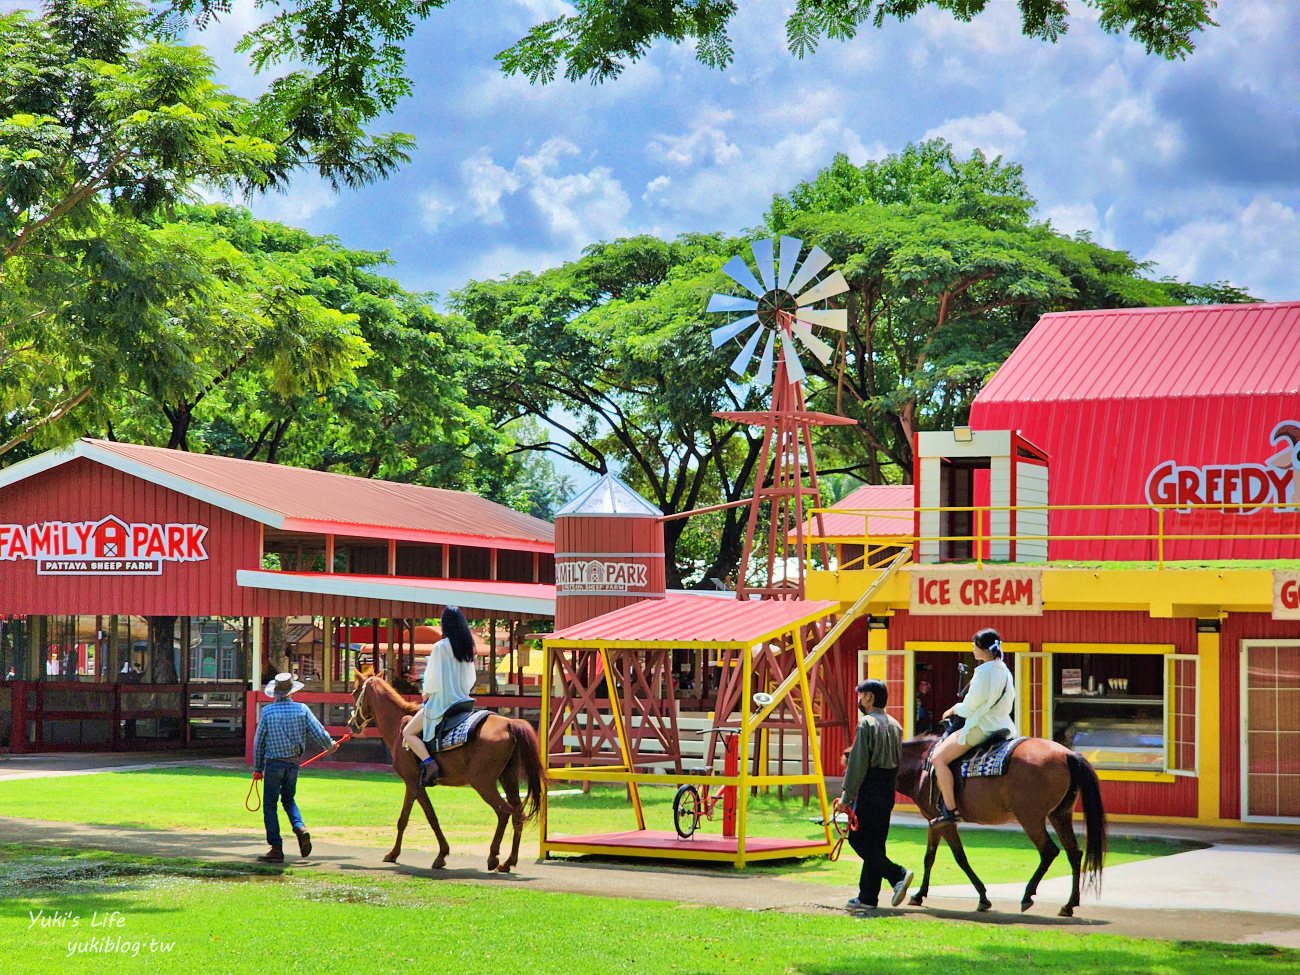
(1274, 874)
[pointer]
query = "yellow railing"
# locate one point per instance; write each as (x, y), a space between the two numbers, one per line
(882, 545)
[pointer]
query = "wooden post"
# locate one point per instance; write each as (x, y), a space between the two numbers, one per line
(329, 553)
(392, 556)
(446, 561)
(374, 643)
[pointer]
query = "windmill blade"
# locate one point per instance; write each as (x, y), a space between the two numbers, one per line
(836, 318)
(813, 265)
(765, 365)
(739, 271)
(763, 258)
(790, 248)
(833, 285)
(816, 346)
(741, 363)
(794, 370)
(721, 302)
(723, 333)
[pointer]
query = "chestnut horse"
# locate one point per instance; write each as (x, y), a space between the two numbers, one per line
(504, 750)
(1042, 781)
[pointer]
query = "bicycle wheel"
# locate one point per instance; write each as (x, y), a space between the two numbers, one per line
(686, 811)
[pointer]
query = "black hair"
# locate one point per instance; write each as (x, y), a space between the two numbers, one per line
(455, 629)
(877, 689)
(990, 641)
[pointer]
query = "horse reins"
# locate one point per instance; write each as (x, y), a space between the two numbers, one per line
(842, 829)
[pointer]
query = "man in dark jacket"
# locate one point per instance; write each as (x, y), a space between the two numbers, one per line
(869, 782)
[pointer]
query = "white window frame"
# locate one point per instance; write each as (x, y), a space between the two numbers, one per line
(1243, 664)
(1171, 659)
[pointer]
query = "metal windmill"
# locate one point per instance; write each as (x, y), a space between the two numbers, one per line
(786, 300)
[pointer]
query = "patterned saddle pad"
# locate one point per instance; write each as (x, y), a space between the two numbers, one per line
(988, 762)
(462, 733)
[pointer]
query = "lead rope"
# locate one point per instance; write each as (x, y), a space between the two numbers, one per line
(842, 829)
(253, 788)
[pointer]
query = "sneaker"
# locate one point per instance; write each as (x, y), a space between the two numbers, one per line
(900, 888)
(273, 855)
(304, 843)
(857, 904)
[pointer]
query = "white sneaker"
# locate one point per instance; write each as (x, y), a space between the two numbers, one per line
(855, 904)
(900, 888)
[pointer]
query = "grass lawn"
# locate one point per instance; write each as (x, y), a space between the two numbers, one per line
(361, 808)
(188, 917)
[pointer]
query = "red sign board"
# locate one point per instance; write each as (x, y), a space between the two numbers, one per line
(1286, 595)
(109, 546)
(965, 592)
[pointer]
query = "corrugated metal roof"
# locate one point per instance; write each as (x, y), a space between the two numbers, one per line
(679, 620)
(1132, 353)
(878, 523)
(609, 496)
(533, 598)
(307, 500)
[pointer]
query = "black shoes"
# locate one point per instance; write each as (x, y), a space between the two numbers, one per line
(273, 855)
(429, 773)
(304, 843)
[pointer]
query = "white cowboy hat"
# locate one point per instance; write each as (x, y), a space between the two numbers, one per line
(285, 684)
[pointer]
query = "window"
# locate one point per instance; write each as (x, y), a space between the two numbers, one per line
(1114, 708)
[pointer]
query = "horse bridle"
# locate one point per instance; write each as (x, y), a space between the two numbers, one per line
(364, 721)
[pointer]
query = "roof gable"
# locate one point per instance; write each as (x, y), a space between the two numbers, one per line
(297, 499)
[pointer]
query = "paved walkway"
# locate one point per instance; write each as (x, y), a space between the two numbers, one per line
(1244, 888)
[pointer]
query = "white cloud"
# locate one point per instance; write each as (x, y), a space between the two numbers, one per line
(706, 142)
(1254, 248)
(1134, 124)
(308, 195)
(655, 189)
(435, 210)
(996, 133)
(485, 184)
(1070, 218)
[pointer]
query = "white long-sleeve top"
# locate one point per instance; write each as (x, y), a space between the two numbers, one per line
(447, 681)
(988, 702)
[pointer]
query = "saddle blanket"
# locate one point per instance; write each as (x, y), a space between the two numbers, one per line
(991, 762)
(461, 734)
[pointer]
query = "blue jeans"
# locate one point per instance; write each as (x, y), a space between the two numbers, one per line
(279, 783)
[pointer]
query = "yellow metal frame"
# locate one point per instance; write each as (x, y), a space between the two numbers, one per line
(750, 723)
(1160, 536)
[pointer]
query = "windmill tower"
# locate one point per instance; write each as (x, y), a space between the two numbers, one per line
(785, 301)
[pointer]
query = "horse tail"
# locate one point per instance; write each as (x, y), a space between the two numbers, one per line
(528, 751)
(1084, 779)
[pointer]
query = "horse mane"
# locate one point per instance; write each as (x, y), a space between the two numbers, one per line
(388, 691)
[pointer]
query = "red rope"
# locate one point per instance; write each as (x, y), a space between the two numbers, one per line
(842, 830)
(346, 735)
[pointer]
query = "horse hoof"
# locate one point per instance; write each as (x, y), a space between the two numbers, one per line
(493, 863)
(985, 905)
(915, 900)
(504, 868)
(439, 863)
(390, 858)
(1066, 912)
(1026, 904)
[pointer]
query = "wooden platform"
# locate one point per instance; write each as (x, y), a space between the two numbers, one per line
(665, 845)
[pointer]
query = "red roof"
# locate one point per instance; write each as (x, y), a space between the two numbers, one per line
(297, 499)
(879, 500)
(523, 598)
(683, 620)
(1134, 353)
(1115, 396)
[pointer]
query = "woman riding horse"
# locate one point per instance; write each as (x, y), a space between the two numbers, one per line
(986, 710)
(448, 678)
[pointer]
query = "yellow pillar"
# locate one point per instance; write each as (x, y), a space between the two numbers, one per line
(1209, 652)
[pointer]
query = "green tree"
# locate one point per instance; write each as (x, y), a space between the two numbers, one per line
(99, 127)
(614, 365)
(349, 62)
(948, 272)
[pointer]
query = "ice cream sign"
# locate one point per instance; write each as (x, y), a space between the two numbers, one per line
(1242, 488)
(109, 546)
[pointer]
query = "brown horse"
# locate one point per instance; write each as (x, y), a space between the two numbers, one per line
(505, 750)
(1042, 781)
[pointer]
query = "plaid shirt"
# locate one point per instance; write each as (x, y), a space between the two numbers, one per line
(283, 730)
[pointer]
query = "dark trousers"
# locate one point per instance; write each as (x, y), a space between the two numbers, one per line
(279, 783)
(874, 805)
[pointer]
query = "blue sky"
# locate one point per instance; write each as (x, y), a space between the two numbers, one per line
(1194, 165)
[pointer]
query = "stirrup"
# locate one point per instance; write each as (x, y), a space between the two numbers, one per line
(945, 817)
